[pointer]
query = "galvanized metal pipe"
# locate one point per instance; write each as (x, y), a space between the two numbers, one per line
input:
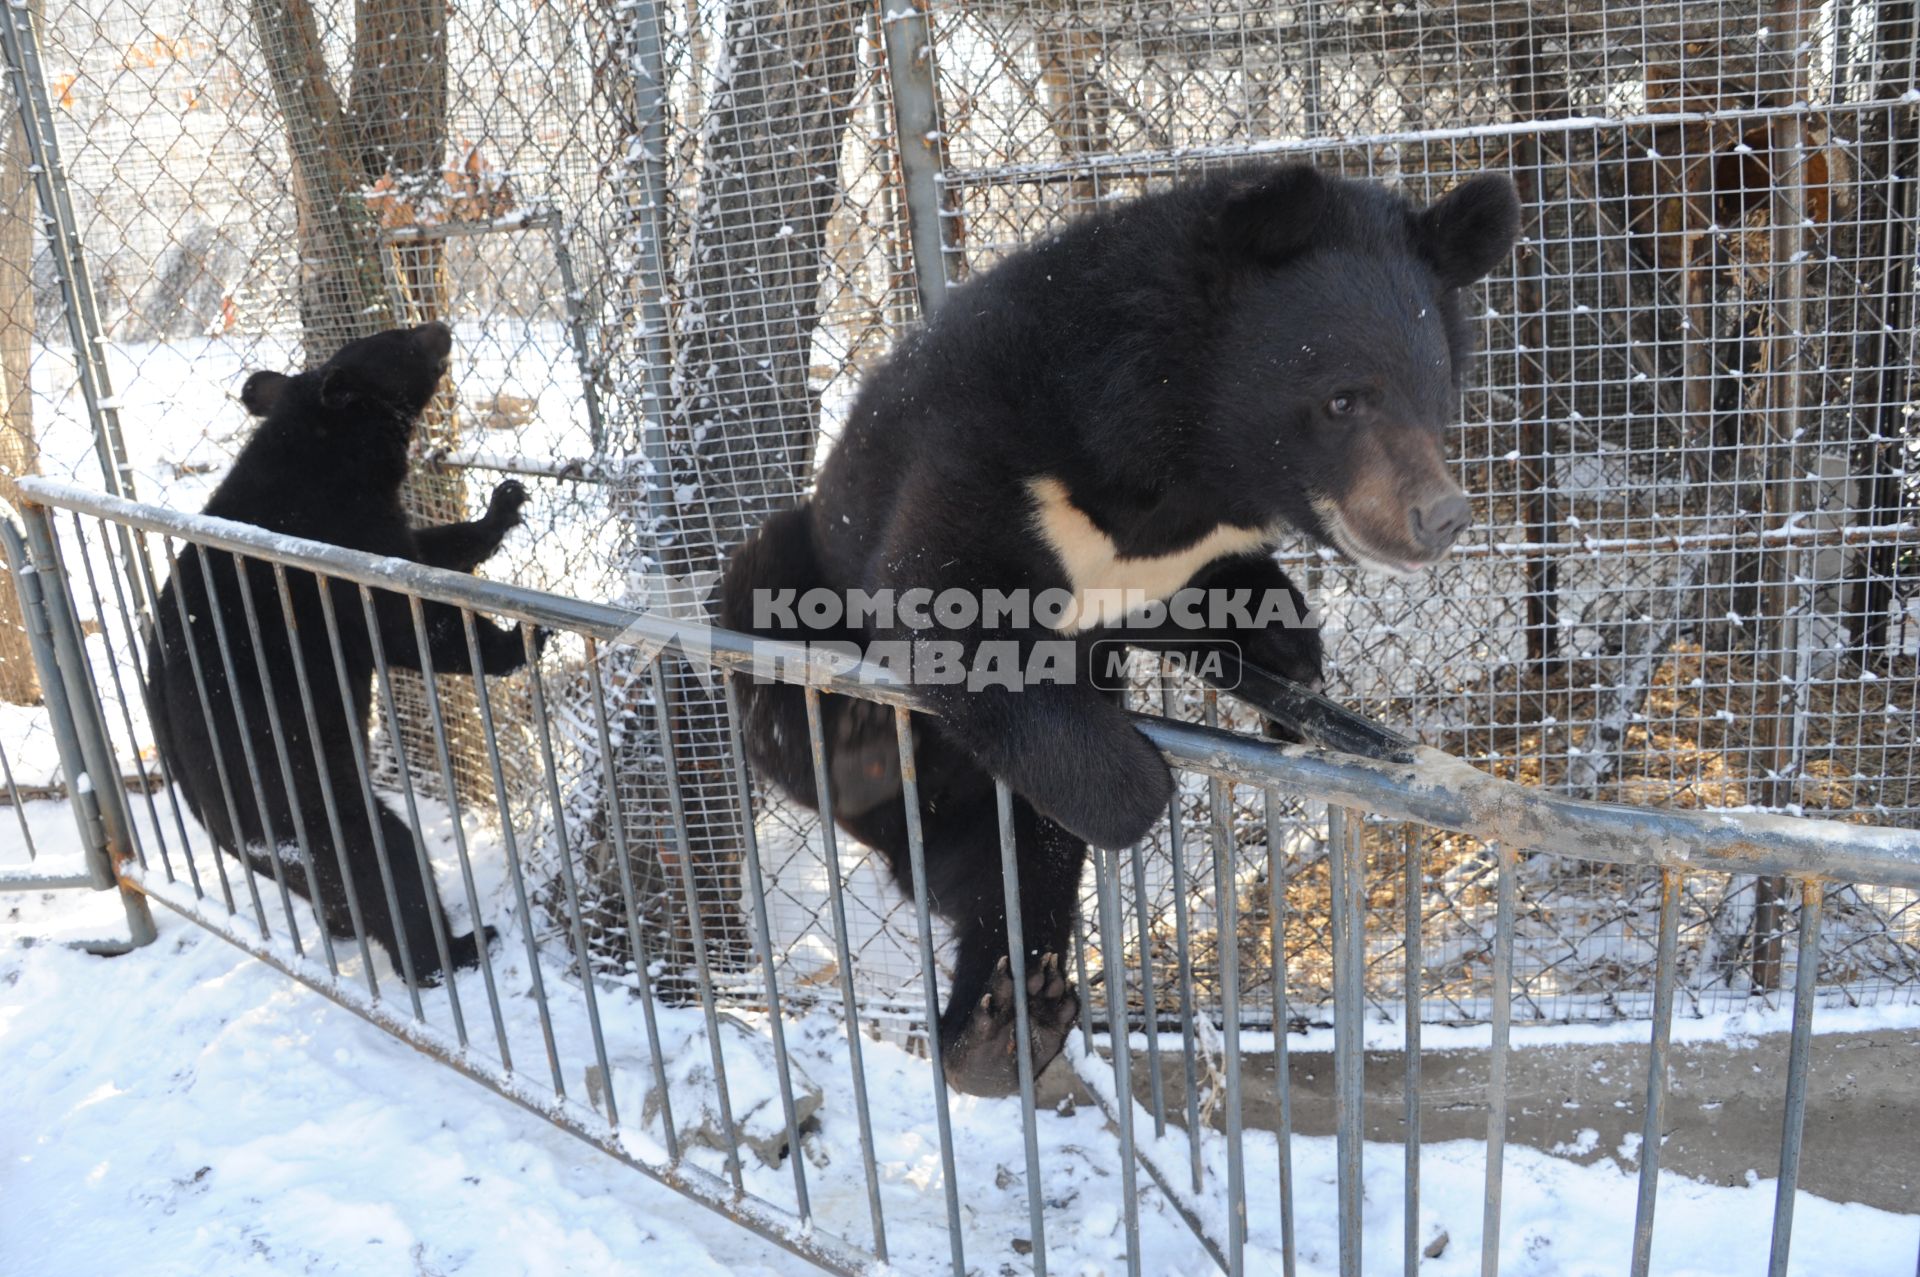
(830, 849)
(690, 898)
(916, 111)
(1282, 1082)
(1665, 976)
(1022, 1025)
(1107, 885)
(323, 776)
(929, 986)
(436, 717)
(1347, 866)
(1497, 1062)
(1414, 889)
(1799, 1063)
(516, 874)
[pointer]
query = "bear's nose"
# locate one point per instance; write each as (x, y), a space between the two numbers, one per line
(1438, 524)
(435, 339)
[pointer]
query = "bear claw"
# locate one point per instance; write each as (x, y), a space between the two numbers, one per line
(983, 1059)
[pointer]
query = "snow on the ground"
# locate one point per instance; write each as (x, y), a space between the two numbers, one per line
(188, 1109)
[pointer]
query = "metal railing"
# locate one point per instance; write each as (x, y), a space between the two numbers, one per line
(677, 1052)
(85, 779)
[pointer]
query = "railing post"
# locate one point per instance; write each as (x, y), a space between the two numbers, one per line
(79, 728)
(1346, 857)
(916, 112)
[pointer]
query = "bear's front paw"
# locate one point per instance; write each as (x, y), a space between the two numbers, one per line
(503, 507)
(983, 1059)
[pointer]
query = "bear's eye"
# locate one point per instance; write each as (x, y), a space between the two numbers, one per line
(1340, 405)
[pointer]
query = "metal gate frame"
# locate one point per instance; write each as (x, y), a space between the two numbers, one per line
(1435, 790)
(87, 767)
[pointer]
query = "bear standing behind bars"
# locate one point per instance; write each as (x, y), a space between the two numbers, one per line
(326, 463)
(1144, 403)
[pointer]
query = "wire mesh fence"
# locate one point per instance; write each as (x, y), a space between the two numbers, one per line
(670, 238)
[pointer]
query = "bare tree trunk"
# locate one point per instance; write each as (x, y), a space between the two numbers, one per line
(741, 421)
(18, 454)
(398, 109)
(341, 295)
(392, 130)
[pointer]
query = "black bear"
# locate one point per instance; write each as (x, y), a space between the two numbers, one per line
(326, 462)
(1136, 408)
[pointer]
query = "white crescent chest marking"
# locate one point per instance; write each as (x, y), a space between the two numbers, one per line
(1105, 582)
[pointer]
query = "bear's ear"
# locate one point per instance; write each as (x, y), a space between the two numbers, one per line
(1271, 217)
(336, 388)
(262, 392)
(1470, 230)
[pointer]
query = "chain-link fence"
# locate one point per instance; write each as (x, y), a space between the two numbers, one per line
(670, 238)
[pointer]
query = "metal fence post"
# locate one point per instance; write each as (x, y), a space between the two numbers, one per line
(916, 109)
(22, 46)
(1347, 860)
(79, 728)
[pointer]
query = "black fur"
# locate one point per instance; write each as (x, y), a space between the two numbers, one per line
(326, 463)
(1263, 349)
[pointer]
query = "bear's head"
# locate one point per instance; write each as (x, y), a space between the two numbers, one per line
(390, 376)
(1339, 351)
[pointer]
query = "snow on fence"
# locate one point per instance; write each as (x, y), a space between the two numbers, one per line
(763, 1091)
(669, 244)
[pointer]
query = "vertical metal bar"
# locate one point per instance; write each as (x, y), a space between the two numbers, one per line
(1080, 976)
(1800, 1048)
(916, 110)
(1183, 953)
(270, 839)
(484, 702)
(1665, 975)
(1785, 661)
(696, 925)
(143, 579)
(1022, 1030)
(636, 935)
(279, 734)
(1415, 972)
(1346, 863)
(1311, 94)
(1156, 1084)
(1227, 921)
(323, 775)
(120, 694)
(436, 717)
(1282, 1082)
(1106, 868)
(575, 311)
(403, 959)
(206, 718)
(436, 921)
(1497, 1062)
(830, 849)
(917, 859)
(536, 685)
(645, 49)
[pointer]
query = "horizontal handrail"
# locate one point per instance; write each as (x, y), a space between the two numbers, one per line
(1434, 789)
